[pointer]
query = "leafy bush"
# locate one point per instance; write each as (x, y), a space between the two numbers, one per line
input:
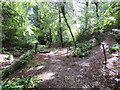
(4, 49)
(114, 48)
(15, 48)
(17, 53)
(78, 53)
(18, 83)
(83, 37)
(81, 51)
(41, 49)
(87, 44)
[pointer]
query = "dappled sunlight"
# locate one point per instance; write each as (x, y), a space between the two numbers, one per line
(61, 52)
(64, 52)
(60, 44)
(35, 68)
(55, 60)
(85, 64)
(30, 69)
(45, 76)
(2, 57)
(116, 53)
(46, 58)
(40, 67)
(52, 53)
(112, 66)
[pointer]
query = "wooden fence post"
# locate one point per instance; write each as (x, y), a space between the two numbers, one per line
(104, 53)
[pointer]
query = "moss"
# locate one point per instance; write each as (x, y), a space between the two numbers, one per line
(17, 64)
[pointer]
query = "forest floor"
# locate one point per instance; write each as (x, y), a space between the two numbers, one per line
(60, 71)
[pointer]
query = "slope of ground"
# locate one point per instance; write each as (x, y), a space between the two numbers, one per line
(62, 72)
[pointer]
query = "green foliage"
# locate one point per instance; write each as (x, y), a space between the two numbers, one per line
(81, 51)
(17, 64)
(83, 37)
(87, 44)
(10, 57)
(41, 49)
(114, 48)
(16, 51)
(13, 23)
(15, 48)
(25, 23)
(4, 49)
(18, 83)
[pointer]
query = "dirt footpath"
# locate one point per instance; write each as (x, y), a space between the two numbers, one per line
(73, 72)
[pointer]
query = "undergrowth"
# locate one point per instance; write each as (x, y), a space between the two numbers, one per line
(17, 64)
(18, 83)
(15, 51)
(82, 48)
(114, 48)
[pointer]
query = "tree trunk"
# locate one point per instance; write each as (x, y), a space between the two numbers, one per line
(60, 28)
(86, 17)
(63, 12)
(96, 4)
(50, 38)
(36, 46)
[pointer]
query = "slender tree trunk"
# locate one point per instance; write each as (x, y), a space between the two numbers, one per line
(36, 46)
(60, 28)
(104, 52)
(63, 12)
(96, 4)
(86, 16)
(50, 38)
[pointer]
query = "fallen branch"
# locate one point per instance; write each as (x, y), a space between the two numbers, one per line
(44, 51)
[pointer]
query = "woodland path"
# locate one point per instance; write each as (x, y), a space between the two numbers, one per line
(72, 72)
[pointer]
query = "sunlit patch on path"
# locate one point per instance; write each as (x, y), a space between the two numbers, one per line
(71, 72)
(45, 76)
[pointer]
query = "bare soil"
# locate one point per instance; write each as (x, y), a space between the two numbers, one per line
(61, 71)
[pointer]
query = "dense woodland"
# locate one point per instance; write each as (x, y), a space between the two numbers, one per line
(33, 30)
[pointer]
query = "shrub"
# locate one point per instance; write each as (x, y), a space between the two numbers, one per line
(114, 48)
(18, 83)
(81, 51)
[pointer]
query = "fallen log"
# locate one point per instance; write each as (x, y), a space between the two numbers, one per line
(44, 51)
